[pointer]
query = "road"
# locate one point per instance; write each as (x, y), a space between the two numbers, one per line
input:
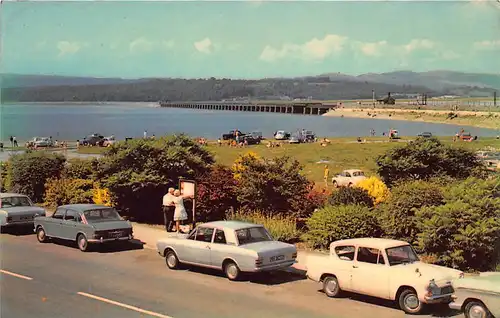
(57, 280)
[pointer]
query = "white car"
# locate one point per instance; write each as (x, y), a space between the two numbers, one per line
(281, 135)
(348, 178)
(382, 268)
(108, 141)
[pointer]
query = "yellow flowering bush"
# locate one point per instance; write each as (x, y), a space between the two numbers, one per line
(101, 196)
(241, 163)
(376, 188)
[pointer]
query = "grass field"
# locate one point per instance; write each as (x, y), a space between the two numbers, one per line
(341, 154)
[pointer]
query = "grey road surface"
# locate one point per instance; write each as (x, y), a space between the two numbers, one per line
(57, 280)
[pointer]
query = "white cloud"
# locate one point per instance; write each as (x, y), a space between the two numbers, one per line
(419, 44)
(315, 49)
(487, 45)
(140, 45)
(204, 46)
(450, 55)
(67, 47)
(373, 48)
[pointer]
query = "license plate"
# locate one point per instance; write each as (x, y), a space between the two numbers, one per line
(115, 234)
(277, 258)
(26, 218)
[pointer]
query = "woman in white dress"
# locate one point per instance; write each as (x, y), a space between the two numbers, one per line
(180, 213)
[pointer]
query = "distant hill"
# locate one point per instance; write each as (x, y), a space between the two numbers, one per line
(322, 87)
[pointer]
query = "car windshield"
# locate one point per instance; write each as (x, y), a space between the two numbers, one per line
(401, 255)
(358, 174)
(11, 202)
(100, 215)
(253, 235)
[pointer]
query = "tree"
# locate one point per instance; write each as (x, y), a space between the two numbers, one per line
(464, 232)
(242, 162)
(68, 191)
(351, 195)
(80, 168)
(398, 214)
(424, 159)
(138, 172)
(375, 188)
(28, 172)
(275, 186)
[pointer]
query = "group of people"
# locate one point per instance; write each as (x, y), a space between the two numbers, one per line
(174, 210)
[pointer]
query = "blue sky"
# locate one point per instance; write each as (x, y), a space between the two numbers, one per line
(247, 39)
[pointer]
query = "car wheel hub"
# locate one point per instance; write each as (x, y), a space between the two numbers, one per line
(411, 302)
(477, 312)
(81, 243)
(232, 271)
(41, 234)
(331, 286)
(171, 260)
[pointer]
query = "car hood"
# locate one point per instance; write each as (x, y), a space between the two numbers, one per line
(24, 210)
(111, 225)
(440, 274)
(269, 246)
(489, 283)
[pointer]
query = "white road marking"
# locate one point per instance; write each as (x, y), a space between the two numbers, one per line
(142, 311)
(15, 275)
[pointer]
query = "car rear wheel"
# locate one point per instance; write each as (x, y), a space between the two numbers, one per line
(172, 260)
(40, 235)
(232, 271)
(475, 309)
(409, 302)
(335, 184)
(331, 286)
(82, 242)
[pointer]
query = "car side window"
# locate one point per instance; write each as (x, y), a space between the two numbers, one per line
(220, 237)
(345, 253)
(204, 234)
(347, 175)
(192, 236)
(71, 216)
(59, 214)
(370, 255)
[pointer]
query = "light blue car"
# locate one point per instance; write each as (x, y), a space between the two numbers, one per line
(478, 296)
(17, 210)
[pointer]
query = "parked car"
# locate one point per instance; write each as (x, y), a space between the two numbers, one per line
(231, 246)
(108, 141)
(425, 134)
(394, 134)
(92, 140)
(251, 140)
(478, 296)
(17, 209)
(294, 140)
(84, 223)
(309, 136)
(382, 268)
(348, 178)
(257, 135)
(40, 142)
(232, 135)
(466, 136)
(281, 135)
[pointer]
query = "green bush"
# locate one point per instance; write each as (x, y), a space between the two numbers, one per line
(351, 195)
(397, 215)
(80, 169)
(28, 172)
(5, 181)
(281, 228)
(464, 232)
(68, 191)
(334, 223)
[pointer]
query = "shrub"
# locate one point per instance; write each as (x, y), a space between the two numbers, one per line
(5, 181)
(280, 227)
(68, 191)
(426, 158)
(351, 195)
(276, 186)
(464, 232)
(375, 188)
(79, 169)
(101, 196)
(314, 199)
(397, 214)
(242, 162)
(215, 194)
(28, 172)
(333, 223)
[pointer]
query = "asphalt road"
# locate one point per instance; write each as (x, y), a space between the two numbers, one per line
(57, 280)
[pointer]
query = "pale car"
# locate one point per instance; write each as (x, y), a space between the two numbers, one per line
(231, 246)
(108, 141)
(17, 209)
(348, 178)
(84, 223)
(479, 296)
(382, 268)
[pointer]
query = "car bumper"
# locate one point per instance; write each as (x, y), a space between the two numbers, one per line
(273, 267)
(455, 305)
(18, 223)
(125, 238)
(438, 299)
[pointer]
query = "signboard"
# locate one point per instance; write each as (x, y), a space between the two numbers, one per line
(187, 187)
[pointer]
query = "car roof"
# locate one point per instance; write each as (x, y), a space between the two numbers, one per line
(353, 170)
(10, 195)
(232, 225)
(372, 242)
(83, 207)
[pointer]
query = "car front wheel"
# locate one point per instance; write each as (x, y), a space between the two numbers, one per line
(335, 184)
(331, 286)
(41, 235)
(475, 309)
(172, 260)
(82, 242)
(232, 271)
(409, 302)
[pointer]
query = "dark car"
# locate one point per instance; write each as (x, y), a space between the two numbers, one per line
(251, 140)
(92, 140)
(425, 134)
(232, 135)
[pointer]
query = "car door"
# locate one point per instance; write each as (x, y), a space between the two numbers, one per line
(370, 275)
(199, 249)
(69, 225)
(220, 249)
(53, 224)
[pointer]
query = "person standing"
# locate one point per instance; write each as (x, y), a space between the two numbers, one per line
(168, 209)
(15, 141)
(326, 175)
(11, 141)
(180, 214)
(145, 134)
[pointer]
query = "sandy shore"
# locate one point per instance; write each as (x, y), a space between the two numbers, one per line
(466, 118)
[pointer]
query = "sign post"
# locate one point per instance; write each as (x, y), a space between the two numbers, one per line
(188, 188)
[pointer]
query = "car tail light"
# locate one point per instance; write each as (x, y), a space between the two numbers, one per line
(9, 219)
(294, 255)
(258, 262)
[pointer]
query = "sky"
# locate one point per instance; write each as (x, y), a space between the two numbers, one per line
(247, 39)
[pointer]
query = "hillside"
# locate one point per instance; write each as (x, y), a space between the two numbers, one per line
(25, 88)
